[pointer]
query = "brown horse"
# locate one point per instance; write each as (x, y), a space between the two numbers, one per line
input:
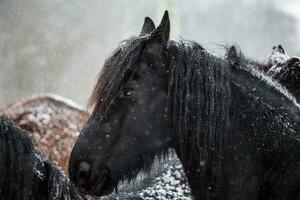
(53, 123)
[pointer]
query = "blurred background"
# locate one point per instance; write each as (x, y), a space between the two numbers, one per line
(59, 46)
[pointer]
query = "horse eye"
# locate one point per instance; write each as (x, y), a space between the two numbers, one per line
(128, 92)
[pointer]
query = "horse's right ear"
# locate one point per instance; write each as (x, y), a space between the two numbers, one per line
(148, 26)
(163, 30)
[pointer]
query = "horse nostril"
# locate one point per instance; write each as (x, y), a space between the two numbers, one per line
(83, 173)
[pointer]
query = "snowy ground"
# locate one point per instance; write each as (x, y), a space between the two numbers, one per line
(166, 181)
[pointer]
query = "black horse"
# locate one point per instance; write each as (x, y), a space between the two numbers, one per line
(25, 173)
(235, 130)
(285, 69)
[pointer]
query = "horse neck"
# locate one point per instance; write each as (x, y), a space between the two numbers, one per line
(203, 126)
(200, 101)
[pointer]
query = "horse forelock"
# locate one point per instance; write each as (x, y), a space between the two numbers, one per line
(116, 71)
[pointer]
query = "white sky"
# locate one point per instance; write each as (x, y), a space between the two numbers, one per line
(292, 7)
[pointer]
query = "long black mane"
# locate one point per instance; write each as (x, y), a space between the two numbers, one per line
(200, 107)
(211, 98)
(15, 152)
(199, 90)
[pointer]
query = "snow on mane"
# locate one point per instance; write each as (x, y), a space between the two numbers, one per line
(271, 82)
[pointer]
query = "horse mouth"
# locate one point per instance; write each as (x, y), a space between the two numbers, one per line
(103, 187)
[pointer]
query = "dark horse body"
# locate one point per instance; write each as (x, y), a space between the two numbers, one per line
(284, 69)
(25, 173)
(234, 130)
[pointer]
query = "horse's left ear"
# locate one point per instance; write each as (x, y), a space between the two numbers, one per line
(163, 30)
(148, 26)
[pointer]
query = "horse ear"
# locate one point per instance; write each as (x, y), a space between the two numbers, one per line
(148, 26)
(279, 48)
(164, 28)
(233, 56)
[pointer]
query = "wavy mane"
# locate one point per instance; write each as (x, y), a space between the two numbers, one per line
(200, 99)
